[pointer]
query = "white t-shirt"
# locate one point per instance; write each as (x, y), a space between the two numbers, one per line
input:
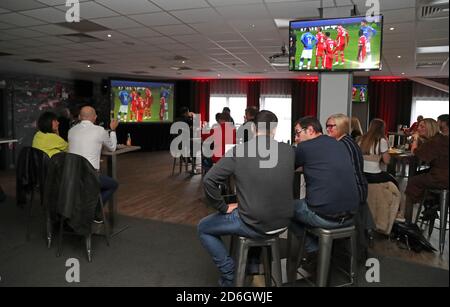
(373, 167)
(87, 140)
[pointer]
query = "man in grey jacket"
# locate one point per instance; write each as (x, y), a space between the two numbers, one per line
(264, 175)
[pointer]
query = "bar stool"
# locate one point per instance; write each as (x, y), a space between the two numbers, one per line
(326, 237)
(239, 250)
(443, 215)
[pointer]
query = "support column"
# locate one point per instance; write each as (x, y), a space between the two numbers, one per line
(335, 89)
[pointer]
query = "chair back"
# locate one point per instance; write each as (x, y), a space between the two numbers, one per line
(72, 190)
(31, 172)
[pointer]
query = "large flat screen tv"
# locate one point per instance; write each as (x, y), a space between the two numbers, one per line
(338, 44)
(142, 101)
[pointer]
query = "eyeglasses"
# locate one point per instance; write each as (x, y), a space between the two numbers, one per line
(298, 132)
(329, 127)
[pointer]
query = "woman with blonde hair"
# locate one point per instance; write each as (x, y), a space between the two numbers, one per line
(431, 147)
(374, 147)
(355, 128)
(338, 126)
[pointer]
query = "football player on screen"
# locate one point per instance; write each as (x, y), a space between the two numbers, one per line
(368, 32)
(362, 47)
(342, 42)
(124, 98)
(320, 48)
(329, 51)
(309, 41)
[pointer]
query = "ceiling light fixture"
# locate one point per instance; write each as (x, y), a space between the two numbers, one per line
(392, 28)
(183, 62)
(109, 35)
(89, 66)
(433, 49)
(399, 56)
(403, 73)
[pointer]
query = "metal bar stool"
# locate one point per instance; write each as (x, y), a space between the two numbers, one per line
(443, 215)
(326, 237)
(239, 249)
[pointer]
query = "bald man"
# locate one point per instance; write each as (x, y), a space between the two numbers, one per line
(87, 139)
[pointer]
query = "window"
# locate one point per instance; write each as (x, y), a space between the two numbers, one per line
(282, 109)
(237, 105)
(428, 108)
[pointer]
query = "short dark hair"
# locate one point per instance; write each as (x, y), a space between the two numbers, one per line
(251, 112)
(226, 109)
(45, 121)
(218, 116)
(266, 117)
(184, 110)
(443, 118)
(310, 121)
(327, 34)
(308, 29)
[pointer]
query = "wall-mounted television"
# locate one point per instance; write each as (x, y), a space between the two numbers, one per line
(360, 93)
(142, 101)
(337, 44)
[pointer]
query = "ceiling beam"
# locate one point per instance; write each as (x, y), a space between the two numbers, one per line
(430, 83)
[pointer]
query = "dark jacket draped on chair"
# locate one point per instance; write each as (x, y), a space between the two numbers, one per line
(72, 191)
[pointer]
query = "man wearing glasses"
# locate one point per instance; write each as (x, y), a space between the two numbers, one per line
(331, 193)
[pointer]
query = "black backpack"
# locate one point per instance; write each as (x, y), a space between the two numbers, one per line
(410, 235)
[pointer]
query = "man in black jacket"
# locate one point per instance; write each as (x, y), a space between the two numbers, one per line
(264, 182)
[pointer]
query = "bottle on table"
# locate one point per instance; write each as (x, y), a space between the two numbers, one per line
(129, 140)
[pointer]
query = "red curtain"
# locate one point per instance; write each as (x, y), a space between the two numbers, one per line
(253, 93)
(201, 92)
(304, 98)
(390, 100)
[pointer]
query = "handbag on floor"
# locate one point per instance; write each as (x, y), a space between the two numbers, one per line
(411, 236)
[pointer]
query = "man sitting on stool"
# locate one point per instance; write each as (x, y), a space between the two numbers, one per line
(331, 192)
(264, 183)
(87, 139)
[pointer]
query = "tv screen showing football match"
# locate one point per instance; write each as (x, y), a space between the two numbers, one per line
(359, 93)
(336, 44)
(142, 102)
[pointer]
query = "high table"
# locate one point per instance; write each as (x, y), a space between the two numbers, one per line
(112, 172)
(403, 158)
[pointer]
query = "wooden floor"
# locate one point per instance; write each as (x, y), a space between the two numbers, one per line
(148, 190)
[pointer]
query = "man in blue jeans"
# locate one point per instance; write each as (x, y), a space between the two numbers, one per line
(264, 183)
(331, 192)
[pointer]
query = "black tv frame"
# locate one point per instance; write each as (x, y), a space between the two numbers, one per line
(111, 102)
(340, 70)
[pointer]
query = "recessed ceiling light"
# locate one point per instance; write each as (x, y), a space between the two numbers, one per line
(252, 25)
(392, 28)
(218, 75)
(89, 66)
(433, 49)
(399, 56)
(183, 62)
(109, 35)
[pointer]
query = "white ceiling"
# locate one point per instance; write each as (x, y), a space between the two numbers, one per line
(233, 38)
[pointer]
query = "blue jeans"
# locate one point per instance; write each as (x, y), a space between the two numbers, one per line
(210, 230)
(107, 186)
(306, 218)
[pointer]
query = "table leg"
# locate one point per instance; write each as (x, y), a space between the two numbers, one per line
(112, 172)
(443, 220)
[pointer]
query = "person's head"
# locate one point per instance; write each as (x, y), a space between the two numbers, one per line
(88, 113)
(361, 33)
(327, 34)
(337, 126)
(226, 110)
(308, 29)
(307, 128)
(355, 125)
(419, 118)
(427, 128)
(374, 134)
(223, 118)
(363, 22)
(218, 116)
(266, 123)
(250, 113)
(184, 111)
(319, 29)
(340, 27)
(443, 123)
(48, 122)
